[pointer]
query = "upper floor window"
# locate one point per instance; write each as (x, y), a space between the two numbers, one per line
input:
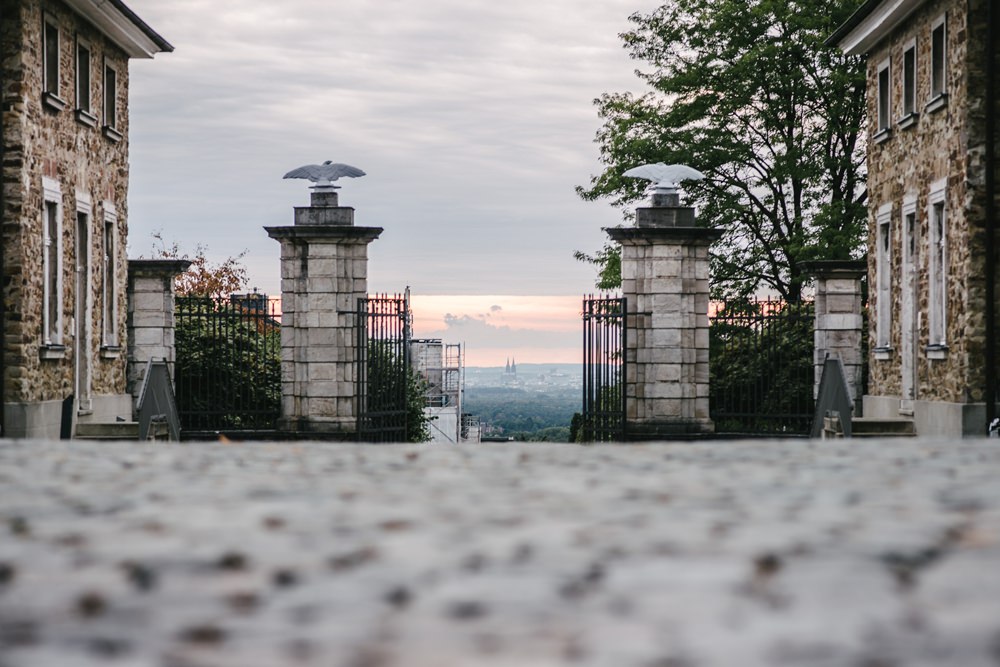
(909, 82)
(109, 293)
(83, 87)
(50, 65)
(939, 63)
(111, 103)
(884, 101)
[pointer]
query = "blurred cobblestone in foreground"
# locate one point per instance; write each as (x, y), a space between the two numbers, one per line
(875, 554)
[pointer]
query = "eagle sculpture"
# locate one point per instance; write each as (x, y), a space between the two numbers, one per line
(665, 175)
(325, 174)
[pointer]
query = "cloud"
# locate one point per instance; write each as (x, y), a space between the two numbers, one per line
(473, 120)
(477, 333)
(495, 308)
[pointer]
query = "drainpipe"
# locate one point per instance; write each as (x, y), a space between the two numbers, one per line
(990, 159)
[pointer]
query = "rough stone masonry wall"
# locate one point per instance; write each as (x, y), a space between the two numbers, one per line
(37, 142)
(907, 163)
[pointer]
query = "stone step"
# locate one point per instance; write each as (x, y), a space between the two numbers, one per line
(866, 427)
(107, 431)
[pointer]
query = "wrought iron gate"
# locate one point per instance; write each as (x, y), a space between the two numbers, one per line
(228, 363)
(604, 340)
(761, 367)
(383, 370)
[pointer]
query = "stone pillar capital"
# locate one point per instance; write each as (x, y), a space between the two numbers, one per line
(836, 268)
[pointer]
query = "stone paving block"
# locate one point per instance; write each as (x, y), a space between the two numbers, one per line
(815, 553)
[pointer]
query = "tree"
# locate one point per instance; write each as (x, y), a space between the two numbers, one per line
(204, 278)
(746, 92)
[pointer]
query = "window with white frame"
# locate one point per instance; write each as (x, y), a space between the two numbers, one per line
(109, 295)
(884, 91)
(83, 87)
(883, 276)
(939, 58)
(937, 273)
(110, 128)
(910, 79)
(50, 64)
(52, 255)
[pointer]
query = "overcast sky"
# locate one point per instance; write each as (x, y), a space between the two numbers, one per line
(474, 121)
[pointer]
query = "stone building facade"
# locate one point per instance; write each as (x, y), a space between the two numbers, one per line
(64, 209)
(928, 267)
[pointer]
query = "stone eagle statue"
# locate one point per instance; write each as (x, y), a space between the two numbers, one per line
(665, 176)
(323, 175)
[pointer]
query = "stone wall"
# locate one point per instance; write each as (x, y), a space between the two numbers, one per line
(934, 147)
(40, 141)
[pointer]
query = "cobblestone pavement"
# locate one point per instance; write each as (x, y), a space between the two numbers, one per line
(833, 553)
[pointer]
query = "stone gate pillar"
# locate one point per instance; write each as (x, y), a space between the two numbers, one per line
(839, 322)
(324, 270)
(150, 319)
(665, 279)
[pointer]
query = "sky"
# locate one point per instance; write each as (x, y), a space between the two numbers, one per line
(474, 122)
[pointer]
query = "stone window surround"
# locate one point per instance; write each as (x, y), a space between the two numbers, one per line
(109, 295)
(51, 334)
(84, 207)
(883, 101)
(937, 276)
(84, 105)
(883, 281)
(909, 101)
(110, 111)
(938, 89)
(50, 91)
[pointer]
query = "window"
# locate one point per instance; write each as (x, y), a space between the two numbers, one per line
(883, 277)
(937, 274)
(51, 264)
(909, 84)
(50, 65)
(83, 111)
(110, 128)
(884, 102)
(939, 64)
(109, 295)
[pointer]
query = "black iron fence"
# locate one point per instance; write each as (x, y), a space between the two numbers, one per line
(383, 350)
(761, 367)
(228, 365)
(604, 339)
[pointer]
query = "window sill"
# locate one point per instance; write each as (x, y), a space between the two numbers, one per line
(52, 352)
(111, 133)
(53, 102)
(882, 135)
(909, 120)
(110, 351)
(882, 353)
(86, 118)
(938, 351)
(937, 103)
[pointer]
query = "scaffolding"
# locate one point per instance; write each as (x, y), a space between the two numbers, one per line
(442, 367)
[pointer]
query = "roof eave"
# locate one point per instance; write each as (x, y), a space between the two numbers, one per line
(870, 24)
(122, 26)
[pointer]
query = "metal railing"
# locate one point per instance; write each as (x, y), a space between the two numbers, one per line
(604, 348)
(761, 367)
(228, 364)
(383, 368)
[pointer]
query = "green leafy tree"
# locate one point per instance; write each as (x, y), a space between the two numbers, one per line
(746, 92)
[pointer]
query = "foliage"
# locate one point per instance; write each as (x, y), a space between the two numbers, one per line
(746, 92)
(761, 367)
(228, 367)
(520, 413)
(608, 261)
(204, 278)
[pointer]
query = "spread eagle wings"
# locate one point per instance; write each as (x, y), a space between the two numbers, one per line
(666, 174)
(328, 171)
